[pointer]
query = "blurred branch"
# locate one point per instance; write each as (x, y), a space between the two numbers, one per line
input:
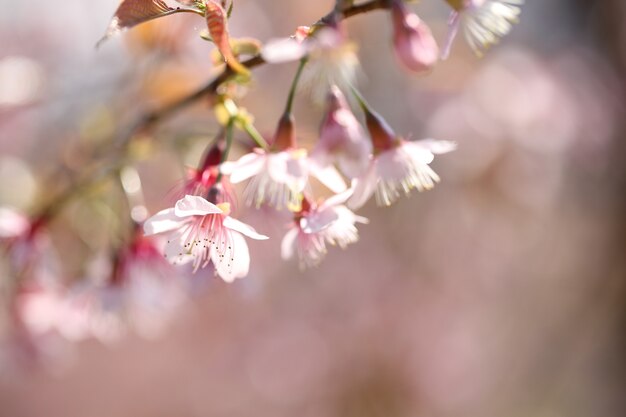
(149, 119)
(209, 89)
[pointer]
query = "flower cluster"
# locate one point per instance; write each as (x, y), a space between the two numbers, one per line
(356, 156)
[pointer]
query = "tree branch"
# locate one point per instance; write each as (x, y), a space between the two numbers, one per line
(151, 118)
(211, 88)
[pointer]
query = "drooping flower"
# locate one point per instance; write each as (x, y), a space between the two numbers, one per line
(200, 181)
(279, 176)
(342, 138)
(315, 226)
(397, 165)
(201, 232)
(484, 22)
(332, 58)
(413, 42)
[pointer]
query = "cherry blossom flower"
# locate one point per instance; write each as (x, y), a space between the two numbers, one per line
(279, 176)
(413, 41)
(201, 232)
(342, 138)
(314, 226)
(397, 166)
(206, 177)
(484, 22)
(332, 58)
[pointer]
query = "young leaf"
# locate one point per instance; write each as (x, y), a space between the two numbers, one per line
(134, 12)
(216, 18)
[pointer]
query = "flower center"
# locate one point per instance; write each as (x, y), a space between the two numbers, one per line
(225, 207)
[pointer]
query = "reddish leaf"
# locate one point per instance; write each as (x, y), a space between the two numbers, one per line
(134, 12)
(216, 18)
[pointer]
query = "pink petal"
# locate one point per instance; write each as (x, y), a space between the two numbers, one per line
(337, 199)
(436, 146)
(235, 262)
(364, 187)
(395, 164)
(288, 168)
(243, 228)
(283, 50)
(163, 221)
(175, 252)
(193, 205)
(318, 221)
(247, 166)
(288, 244)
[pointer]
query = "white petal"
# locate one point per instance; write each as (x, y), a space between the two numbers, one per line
(193, 205)
(436, 146)
(247, 166)
(347, 215)
(364, 187)
(395, 164)
(243, 228)
(287, 168)
(283, 50)
(175, 253)
(317, 221)
(288, 244)
(329, 176)
(163, 221)
(234, 262)
(337, 199)
(12, 223)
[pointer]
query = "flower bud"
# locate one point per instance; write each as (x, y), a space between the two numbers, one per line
(285, 136)
(413, 41)
(382, 135)
(342, 137)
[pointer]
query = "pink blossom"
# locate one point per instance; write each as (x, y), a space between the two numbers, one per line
(207, 177)
(397, 165)
(484, 22)
(279, 176)
(314, 226)
(201, 232)
(398, 170)
(413, 41)
(332, 58)
(342, 138)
